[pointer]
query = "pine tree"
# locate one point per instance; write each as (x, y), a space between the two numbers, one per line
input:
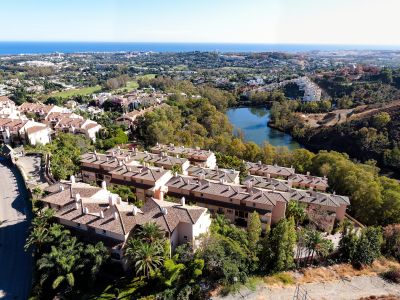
(254, 231)
(292, 237)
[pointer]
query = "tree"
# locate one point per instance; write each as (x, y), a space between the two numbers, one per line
(277, 252)
(254, 231)
(380, 120)
(95, 256)
(348, 242)
(151, 233)
(391, 246)
(145, 258)
(316, 245)
(297, 211)
(39, 231)
(225, 260)
(61, 264)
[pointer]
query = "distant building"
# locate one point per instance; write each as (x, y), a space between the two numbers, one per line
(17, 131)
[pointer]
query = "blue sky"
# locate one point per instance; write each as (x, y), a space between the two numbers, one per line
(220, 21)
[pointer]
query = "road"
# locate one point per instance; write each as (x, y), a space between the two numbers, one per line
(15, 263)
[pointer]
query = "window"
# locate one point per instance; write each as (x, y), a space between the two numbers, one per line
(104, 232)
(254, 205)
(185, 237)
(78, 225)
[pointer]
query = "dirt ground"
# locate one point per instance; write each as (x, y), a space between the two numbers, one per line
(345, 289)
(338, 282)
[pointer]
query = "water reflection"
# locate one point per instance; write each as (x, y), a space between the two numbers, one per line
(252, 123)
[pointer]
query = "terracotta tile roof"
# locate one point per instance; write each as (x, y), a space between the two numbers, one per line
(309, 180)
(190, 153)
(37, 107)
(12, 124)
(269, 169)
(229, 176)
(267, 183)
(228, 191)
(36, 128)
(313, 197)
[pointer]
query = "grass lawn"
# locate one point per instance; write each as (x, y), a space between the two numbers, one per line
(75, 92)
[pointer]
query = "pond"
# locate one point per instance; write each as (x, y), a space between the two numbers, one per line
(252, 122)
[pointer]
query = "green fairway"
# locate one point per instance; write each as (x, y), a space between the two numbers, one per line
(75, 92)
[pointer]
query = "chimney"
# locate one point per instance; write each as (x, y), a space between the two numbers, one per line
(249, 185)
(116, 215)
(61, 188)
(183, 201)
(259, 163)
(102, 214)
(77, 197)
(77, 205)
(308, 173)
(164, 211)
(269, 176)
(104, 185)
(72, 178)
(290, 183)
(135, 210)
(111, 201)
(86, 210)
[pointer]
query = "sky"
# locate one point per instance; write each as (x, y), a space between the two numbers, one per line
(349, 22)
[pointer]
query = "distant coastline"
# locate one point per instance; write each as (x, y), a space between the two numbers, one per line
(15, 48)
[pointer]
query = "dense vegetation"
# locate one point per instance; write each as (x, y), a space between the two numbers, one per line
(375, 86)
(64, 265)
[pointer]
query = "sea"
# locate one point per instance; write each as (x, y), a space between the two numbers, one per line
(13, 48)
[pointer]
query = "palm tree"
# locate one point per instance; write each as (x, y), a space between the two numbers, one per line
(37, 238)
(58, 233)
(151, 233)
(61, 263)
(316, 244)
(145, 257)
(95, 256)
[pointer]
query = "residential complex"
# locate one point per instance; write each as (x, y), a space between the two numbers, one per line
(99, 214)
(154, 175)
(17, 125)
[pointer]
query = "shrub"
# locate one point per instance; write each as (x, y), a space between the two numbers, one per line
(392, 275)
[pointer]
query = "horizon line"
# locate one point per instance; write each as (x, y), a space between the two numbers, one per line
(185, 42)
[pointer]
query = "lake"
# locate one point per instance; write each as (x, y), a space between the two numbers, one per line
(252, 122)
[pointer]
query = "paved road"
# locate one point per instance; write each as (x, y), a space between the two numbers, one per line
(15, 263)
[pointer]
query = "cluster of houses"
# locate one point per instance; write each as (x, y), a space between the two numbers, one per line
(98, 214)
(17, 125)
(195, 189)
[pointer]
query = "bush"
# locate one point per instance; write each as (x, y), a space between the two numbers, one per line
(392, 275)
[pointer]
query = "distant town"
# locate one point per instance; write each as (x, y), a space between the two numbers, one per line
(125, 168)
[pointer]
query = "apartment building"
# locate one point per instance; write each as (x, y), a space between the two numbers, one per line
(197, 157)
(144, 180)
(322, 208)
(100, 215)
(19, 131)
(307, 181)
(224, 175)
(39, 109)
(269, 171)
(158, 160)
(8, 109)
(73, 123)
(236, 202)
